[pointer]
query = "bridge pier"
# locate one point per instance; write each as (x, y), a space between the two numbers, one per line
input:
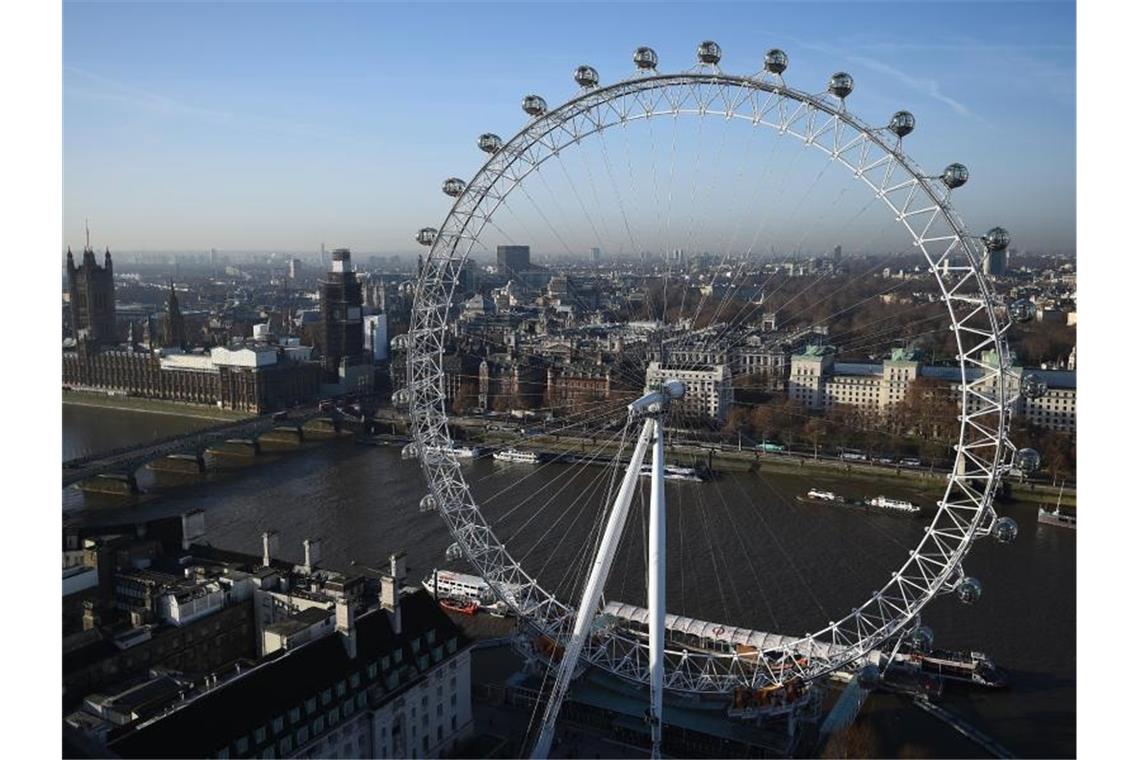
(189, 464)
(284, 434)
(240, 447)
(323, 427)
(115, 484)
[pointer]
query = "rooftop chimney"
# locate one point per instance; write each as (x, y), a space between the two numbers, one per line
(312, 553)
(390, 589)
(346, 625)
(269, 541)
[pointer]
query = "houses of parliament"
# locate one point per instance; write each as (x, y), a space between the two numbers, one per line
(251, 376)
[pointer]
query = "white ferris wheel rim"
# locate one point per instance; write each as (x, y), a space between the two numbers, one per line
(965, 510)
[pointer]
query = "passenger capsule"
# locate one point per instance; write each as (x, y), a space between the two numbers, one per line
(869, 677)
(997, 239)
(428, 504)
(490, 143)
(426, 236)
(1027, 461)
(776, 61)
(1005, 530)
(534, 105)
(708, 52)
(841, 84)
(955, 175)
(645, 58)
(922, 639)
(969, 590)
(902, 123)
(586, 76)
(454, 186)
(1022, 310)
(1033, 385)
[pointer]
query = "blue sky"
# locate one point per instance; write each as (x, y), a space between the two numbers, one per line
(266, 126)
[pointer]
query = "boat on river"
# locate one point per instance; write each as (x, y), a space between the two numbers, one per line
(894, 505)
(674, 472)
(516, 456)
(1055, 516)
(827, 497)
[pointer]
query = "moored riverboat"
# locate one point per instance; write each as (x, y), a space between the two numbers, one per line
(894, 505)
(516, 456)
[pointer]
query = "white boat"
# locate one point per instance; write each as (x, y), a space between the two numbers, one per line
(897, 505)
(819, 495)
(515, 455)
(465, 587)
(446, 584)
(459, 452)
(674, 472)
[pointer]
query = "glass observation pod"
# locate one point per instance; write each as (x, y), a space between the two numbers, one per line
(586, 76)
(997, 239)
(708, 52)
(969, 590)
(426, 236)
(490, 142)
(454, 187)
(1022, 310)
(645, 58)
(955, 175)
(776, 61)
(1005, 530)
(1032, 386)
(902, 123)
(1027, 461)
(841, 84)
(534, 105)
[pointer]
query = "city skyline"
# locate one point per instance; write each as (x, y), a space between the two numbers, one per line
(248, 138)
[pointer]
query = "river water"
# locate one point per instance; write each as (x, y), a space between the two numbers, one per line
(741, 549)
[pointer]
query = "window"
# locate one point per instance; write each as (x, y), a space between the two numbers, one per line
(311, 705)
(341, 688)
(242, 745)
(259, 734)
(354, 680)
(278, 724)
(294, 714)
(326, 696)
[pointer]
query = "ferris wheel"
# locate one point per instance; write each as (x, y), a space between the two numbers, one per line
(613, 431)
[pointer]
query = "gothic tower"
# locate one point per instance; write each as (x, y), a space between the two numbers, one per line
(92, 294)
(175, 331)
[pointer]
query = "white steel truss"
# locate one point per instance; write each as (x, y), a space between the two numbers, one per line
(915, 199)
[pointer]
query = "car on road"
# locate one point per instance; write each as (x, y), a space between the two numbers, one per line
(910, 462)
(279, 416)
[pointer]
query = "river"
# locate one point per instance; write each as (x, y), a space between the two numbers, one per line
(741, 549)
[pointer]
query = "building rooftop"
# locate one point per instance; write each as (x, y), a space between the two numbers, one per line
(234, 709)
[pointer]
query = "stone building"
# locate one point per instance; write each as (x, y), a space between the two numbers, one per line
(708, 390)
(91, 296)
(255, 379)
(393, 682)
(577, 384)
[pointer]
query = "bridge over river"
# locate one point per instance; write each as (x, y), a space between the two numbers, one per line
(123, 462)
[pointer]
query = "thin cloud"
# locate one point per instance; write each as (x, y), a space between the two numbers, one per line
(928, 86)
(99, 87)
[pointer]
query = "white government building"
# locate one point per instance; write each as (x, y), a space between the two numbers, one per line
(708, 390)
(819, 382)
